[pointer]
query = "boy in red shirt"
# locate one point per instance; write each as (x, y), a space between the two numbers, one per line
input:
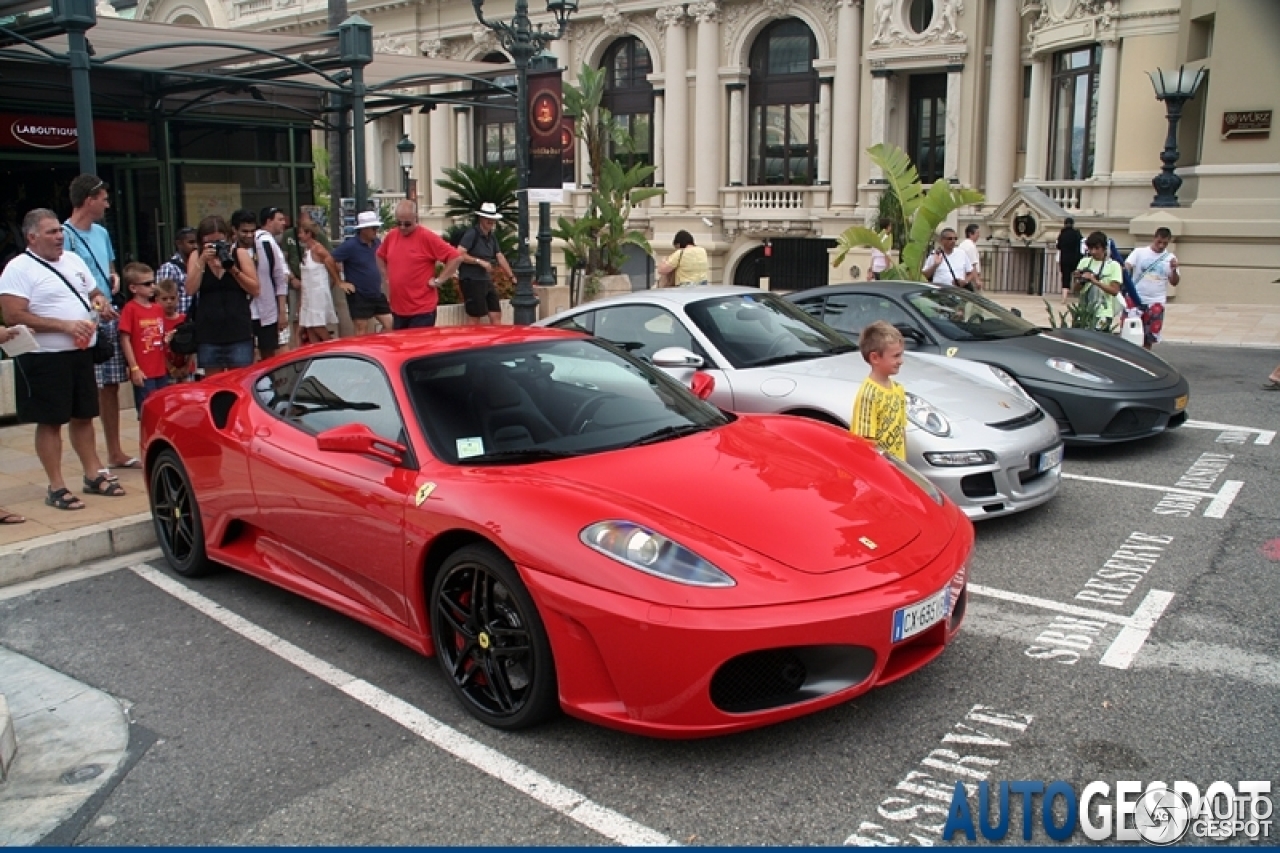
(180, 366)
(142, 334)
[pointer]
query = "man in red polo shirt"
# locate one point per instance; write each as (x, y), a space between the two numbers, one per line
(407, 260)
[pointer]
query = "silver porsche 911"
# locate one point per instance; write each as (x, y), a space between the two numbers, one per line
(972, 430)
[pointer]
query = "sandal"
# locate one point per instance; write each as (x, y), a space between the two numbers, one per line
(1271, 385)
(131, 462)
(104, 484)
(7, 517)
(62, 499)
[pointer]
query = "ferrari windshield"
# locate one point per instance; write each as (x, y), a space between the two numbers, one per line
(757, 330)
(960, 315)
(547, 400)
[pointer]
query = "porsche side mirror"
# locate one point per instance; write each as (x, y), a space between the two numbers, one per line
(676, 357)
(702, 385)
(912, 337)
(360, 440)
(1015, 312)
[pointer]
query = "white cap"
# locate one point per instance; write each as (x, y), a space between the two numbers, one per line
(368, 219)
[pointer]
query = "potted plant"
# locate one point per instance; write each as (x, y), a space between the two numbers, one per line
(597, 241)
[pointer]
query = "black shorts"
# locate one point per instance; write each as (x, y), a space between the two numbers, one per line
(480, 298)
(266, 338)
(364, 307)
(55, 387)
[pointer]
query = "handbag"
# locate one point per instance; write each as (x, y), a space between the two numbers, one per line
(668, 279)
(184, 340)
(103, 349)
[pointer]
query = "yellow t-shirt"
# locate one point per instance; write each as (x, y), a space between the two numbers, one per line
(694, 268)
(880, 414)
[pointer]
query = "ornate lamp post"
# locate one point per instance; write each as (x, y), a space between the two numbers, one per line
(523, 42)
(1175, 88)
(405, 149)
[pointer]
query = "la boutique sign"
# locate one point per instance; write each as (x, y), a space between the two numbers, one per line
(44, 134)
(58, 133)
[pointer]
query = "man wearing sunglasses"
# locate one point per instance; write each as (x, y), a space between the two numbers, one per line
(407, 260)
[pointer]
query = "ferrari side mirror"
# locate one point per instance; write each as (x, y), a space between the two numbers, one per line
(702, 385)
(362, 441)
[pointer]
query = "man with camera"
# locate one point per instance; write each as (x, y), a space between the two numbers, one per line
(224, 276)
(948, 264)
(1100, 278)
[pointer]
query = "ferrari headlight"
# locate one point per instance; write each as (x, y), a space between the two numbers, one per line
(926, 416)
(1072, 369)
(960, 458)
(1012, 384)
(916, 477)
(652, 553)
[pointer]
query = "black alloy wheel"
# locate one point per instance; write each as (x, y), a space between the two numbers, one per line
(177, 517)
(490, 641)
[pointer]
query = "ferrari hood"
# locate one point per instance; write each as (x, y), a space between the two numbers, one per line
(823, 514)
(1101, 353)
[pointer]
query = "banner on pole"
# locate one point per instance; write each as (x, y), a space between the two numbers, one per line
(545, 146)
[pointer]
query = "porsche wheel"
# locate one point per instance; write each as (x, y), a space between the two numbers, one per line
(177, 518)
(490, 641)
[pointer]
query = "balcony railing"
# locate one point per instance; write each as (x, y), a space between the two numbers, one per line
(773, 199)
(1066, 194)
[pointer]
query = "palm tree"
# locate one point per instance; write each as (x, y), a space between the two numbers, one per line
(470, 186)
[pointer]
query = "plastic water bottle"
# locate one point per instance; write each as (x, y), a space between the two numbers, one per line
(1132, 330)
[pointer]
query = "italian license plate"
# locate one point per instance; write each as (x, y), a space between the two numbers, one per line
(1181, 403)
(909, 621)
(1049, 459)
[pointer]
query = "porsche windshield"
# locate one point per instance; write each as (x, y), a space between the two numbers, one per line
(547, 400)
(757, 330)
(959, 315)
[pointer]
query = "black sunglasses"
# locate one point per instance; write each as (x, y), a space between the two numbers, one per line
(405, 224)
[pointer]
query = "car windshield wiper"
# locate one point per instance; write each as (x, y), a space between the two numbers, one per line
(798, 356)
(667, 432)
(519, 454)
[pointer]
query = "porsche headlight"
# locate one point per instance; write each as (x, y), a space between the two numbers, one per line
(652, 553)
(927, 417)
(1012, 384)
(916, 477)
(960, 458)
(1072, 369)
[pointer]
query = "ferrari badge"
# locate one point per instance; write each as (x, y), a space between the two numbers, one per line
(424, 492)
(871, 546)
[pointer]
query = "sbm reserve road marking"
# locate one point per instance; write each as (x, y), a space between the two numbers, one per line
(607, 822)
(1261, 436)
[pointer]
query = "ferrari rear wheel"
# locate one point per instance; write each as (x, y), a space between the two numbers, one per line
(490, 640)
(177, 518)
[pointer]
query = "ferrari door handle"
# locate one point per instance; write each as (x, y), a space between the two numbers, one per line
(262, 432)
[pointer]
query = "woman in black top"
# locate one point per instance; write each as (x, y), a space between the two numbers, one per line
(224, 325)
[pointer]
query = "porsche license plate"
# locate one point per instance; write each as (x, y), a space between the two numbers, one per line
(1049, 459)
(1181, 403)
(909, 621)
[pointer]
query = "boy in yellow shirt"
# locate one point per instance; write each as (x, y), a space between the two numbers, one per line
(880, 407)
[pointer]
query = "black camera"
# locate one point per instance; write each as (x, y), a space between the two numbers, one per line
(225, 253)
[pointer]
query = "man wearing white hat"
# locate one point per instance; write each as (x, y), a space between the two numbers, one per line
(480, 254)
(361, 281)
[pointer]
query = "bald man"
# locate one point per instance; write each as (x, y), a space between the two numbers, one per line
(407, 260)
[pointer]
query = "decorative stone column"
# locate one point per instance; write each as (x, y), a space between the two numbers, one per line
(706, 128)
(845, 96)
(879, 115)
(1002, 102)
(737, 124)
(1108, 86)
(441, 156)
(823, 125)
(463, 152)
(659, 148)
(951, 160)
(1037, 123)
(672, 20)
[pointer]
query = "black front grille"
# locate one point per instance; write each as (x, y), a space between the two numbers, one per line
(773, 678)
(1132, 421)
(978, 485)
(1033, 417)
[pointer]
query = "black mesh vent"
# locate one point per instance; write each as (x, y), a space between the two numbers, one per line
(757, 680)
(978, 485)
(1132, 422)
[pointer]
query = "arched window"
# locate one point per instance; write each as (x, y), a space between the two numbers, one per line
(1073, 114)
(495, 120)
(784, 98)
(628, 95)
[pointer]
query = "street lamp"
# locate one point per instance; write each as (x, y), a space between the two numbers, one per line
(1175, 88)
(405, 149)
(522, 42)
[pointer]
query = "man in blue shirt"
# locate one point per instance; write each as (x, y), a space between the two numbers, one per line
(361, 280)
(85, 236)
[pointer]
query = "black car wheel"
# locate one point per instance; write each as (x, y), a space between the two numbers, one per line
(177, 517)
(490, 641)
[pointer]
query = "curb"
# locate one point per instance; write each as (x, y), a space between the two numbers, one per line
(23, 561)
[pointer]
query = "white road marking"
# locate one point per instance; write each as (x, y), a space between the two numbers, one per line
(612, 825)
(54, 579)
(1125, 647)
(1134, 629)
(1219, 501)
(1264, 436)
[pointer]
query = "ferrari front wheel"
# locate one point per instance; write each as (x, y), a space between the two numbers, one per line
(490, 640)
(177, 518)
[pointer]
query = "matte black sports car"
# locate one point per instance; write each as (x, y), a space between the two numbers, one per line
(1098, 388)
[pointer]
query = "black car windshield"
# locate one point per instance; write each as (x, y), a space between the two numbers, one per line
(759, 329)
(553, 399)
(959, 315)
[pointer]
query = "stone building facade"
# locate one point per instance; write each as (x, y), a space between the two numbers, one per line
(757, 115)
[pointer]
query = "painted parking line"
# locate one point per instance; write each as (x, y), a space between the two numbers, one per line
(1219, 501)
(1261, 436)
(1134, 629)
(612, 825)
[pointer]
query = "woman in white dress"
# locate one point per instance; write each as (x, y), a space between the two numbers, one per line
(319, 273)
